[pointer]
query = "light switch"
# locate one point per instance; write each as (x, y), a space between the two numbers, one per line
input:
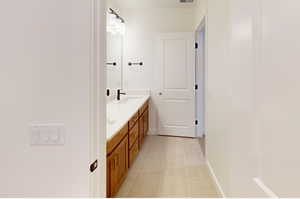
(47, 134)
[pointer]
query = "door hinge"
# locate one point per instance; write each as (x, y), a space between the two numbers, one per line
(196, 122)
(94, 166)
(196, 45)
(196, 86)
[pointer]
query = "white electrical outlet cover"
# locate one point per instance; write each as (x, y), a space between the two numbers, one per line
(47, 134)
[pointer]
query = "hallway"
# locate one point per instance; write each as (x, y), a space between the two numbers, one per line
(169, 167)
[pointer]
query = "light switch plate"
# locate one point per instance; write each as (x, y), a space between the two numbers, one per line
(47, 134)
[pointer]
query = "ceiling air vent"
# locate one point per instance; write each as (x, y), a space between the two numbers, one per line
(186, 1)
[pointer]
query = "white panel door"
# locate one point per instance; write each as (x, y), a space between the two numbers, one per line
(175, 80)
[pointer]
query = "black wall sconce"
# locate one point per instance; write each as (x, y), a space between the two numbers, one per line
(137, 63)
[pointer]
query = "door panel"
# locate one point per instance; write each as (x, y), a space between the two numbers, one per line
(175, 64)
(175, 94)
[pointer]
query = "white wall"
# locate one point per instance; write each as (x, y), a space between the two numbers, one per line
(278, 107)
(45, 77)
(252, 95)
(230, 100)
(200, 11)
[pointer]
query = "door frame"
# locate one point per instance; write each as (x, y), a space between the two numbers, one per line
(97, 179)
(201, 29)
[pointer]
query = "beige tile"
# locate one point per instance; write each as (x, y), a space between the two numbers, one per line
(133, 173)
(168, 167)
(193, 159)
(172, 186)
(200, 189)
(145, 185)
(175, 150)
(152, 165)
(138, 163)
(126, 186)
(171, 162)
(173, 172)
(198, 173)
(193, 148)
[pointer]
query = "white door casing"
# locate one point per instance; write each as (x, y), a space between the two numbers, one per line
(98, 102)
(200, 79)
(175, 80)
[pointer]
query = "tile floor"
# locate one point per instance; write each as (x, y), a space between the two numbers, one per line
(169, 167)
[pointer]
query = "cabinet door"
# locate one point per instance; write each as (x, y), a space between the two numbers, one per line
(146, 122)
(118, 167)
(122, 159)
(112, 175)
(133, 152)
(133, 135)
(141, 131)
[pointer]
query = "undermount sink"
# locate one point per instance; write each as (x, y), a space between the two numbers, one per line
(126, 99)
(118, 111)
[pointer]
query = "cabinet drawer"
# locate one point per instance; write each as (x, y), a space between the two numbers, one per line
(133, 120)
(133, 135)
(133, 152)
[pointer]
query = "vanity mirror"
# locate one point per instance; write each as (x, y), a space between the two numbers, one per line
(115, 32)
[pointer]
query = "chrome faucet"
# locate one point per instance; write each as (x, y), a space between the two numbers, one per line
(119, 94)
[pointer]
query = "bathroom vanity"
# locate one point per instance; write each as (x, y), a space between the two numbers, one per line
(127, 126)
(127, 112)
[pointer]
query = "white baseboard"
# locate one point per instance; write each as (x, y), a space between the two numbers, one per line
(264, 188)
(269, 193)
(152, 132)
(216, 181)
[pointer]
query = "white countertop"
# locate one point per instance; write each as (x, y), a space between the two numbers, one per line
(120, 112)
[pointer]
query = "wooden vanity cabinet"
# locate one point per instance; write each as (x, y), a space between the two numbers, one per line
(133, 143)
(146, 122)
(133, 134)
(117, 167)
(134, 150)
(143, 123)
(124, 147)
(141, 132)
(133, 120)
